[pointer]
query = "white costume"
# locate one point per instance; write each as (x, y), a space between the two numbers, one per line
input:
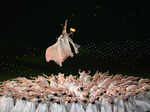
(92, 108)
(6, 104)
(61, 49)
(76, 107)
(19, 106)
(57, 108)
(42, 107)
(30, 107)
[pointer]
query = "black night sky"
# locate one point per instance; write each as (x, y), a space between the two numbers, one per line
(39, 22)
(117, 26)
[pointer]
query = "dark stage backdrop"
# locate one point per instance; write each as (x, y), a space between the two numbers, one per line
(40, 22)
(111, 27)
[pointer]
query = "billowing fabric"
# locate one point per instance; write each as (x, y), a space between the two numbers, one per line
(6, 104)
(72, 94)
(106, 107)
(57, 108)
(76, 107)
(92, 108)
(42, 108)
(61, 50)
(141, 105)
(30, 107)
(19, 106)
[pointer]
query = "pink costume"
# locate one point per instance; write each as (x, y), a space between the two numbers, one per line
(61, 49)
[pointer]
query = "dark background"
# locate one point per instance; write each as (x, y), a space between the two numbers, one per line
(39, 22)
(119, 31)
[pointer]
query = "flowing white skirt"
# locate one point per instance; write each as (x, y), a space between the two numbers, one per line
(42, 108)
(77, 107)
(6, 104)
(57, 108)
(30, 107)
(139, 103)
(19, 106)
(92, 108)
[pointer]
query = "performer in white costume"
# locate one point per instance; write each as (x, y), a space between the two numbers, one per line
(19, 106)
(61, 49)
(6, 104)
(56, 93)
(30, 107)
(42, 107)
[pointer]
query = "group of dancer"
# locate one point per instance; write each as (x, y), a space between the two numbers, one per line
(100, 92)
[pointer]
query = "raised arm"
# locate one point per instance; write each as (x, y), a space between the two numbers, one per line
(65, 28)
